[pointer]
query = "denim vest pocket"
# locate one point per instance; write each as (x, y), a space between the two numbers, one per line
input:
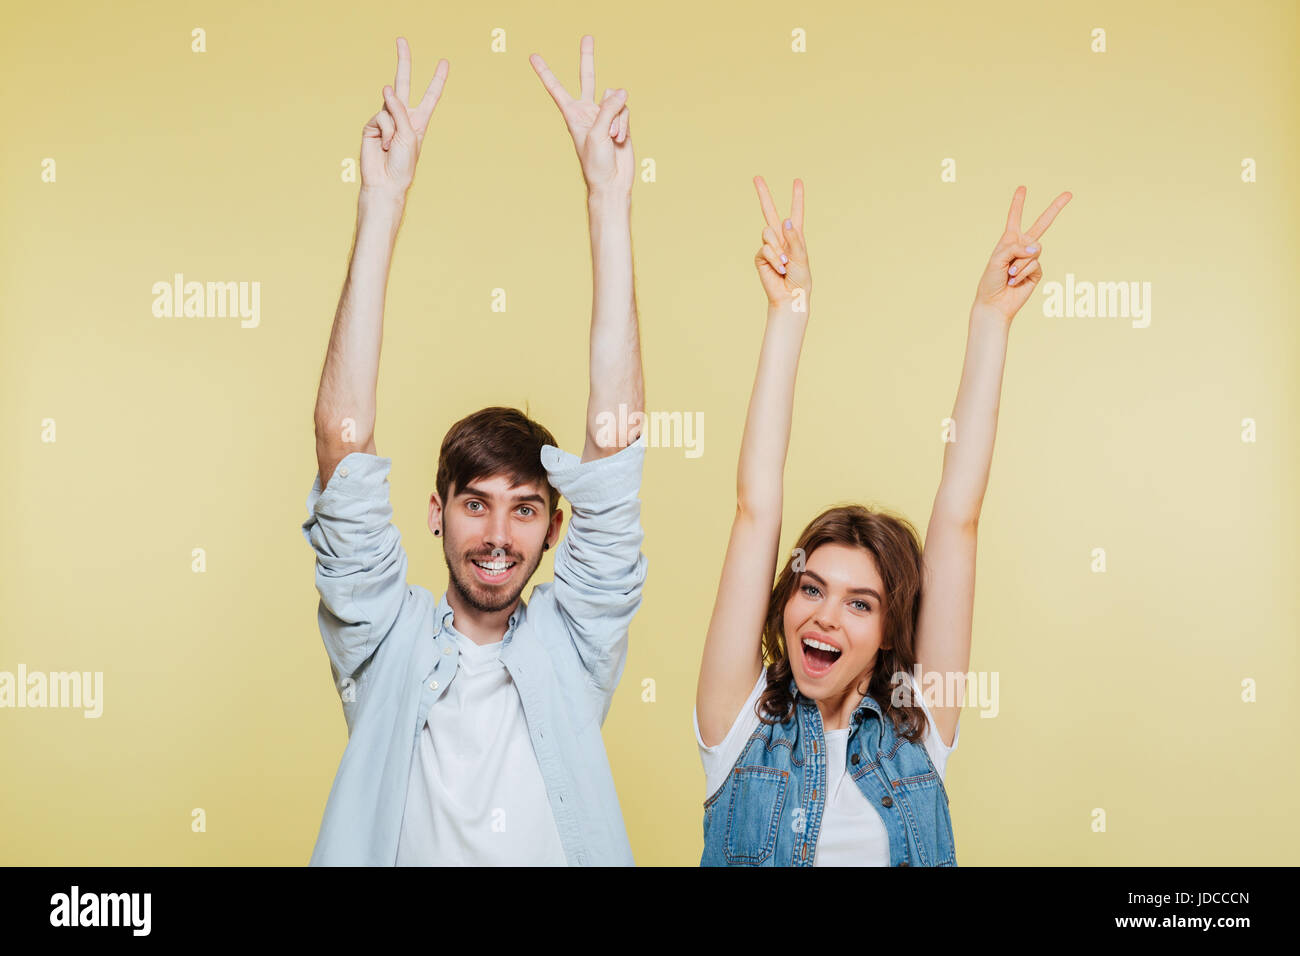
(925, 802)
(754, 811)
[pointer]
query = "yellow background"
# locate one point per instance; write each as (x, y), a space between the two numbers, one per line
(1119, 691)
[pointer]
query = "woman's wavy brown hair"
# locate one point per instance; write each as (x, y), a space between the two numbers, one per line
(896, 547)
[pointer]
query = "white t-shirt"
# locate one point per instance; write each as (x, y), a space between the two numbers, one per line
(476, 795)
(852, 833)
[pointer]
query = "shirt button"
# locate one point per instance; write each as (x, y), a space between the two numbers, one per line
(434, 686)
(888, 801)
(343, 472)
(448, 650)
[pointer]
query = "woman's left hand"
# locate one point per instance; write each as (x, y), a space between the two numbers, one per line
(1013, 270)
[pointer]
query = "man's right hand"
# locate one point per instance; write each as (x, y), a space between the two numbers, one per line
(390, 142)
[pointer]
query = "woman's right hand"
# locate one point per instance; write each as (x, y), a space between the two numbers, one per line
(782, 261)
(390, 141)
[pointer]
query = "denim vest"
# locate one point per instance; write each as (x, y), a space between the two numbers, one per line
(769, 810)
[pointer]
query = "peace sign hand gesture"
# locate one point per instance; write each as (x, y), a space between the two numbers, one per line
(782, 261)
(391, 140)
(1013, 270)
(599, 130)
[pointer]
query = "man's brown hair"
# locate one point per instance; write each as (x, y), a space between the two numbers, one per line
(494, 441)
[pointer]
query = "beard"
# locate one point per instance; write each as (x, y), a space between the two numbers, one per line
(488, 598)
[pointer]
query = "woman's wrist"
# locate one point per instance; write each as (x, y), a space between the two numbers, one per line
(609, 201)
(384, 198)
(789, 309)
(987, 315)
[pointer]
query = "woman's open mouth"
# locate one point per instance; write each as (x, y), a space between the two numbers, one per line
(492, 570)
(818, 656)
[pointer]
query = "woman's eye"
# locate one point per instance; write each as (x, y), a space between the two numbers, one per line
(810, 590)
(863, 605)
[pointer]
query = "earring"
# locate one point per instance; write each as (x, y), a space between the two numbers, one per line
(545, 546)
(436, 532)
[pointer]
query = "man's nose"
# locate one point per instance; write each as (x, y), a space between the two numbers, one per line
(497, 533)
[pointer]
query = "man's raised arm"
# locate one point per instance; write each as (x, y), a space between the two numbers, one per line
(390, 147)
(600, 135)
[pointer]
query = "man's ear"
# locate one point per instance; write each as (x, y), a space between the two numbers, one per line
(435, 514)
(553, 532)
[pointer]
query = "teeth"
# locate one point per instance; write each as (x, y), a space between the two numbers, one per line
(820, 645)
(495, 566)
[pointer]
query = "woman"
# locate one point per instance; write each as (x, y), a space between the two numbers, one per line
(833, 753)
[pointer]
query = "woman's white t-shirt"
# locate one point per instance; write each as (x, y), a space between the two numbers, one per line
(852, 833)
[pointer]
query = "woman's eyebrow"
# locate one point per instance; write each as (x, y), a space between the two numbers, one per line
(822, 581)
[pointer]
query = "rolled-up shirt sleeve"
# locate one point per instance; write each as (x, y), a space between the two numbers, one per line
(360, 561)
(599, 567)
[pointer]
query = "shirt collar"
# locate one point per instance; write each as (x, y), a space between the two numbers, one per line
(444, 615)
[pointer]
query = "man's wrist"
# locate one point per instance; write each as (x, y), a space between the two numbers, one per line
(380, 211)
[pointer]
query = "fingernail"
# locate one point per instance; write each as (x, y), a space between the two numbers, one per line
(1031, 248)
(1013, 270)
(781, 269)
(789, 224)
(1013, 282)
(784, 258)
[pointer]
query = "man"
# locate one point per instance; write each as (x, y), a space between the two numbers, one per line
(474, 720)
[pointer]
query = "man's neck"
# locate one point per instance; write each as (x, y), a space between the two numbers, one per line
(481, 627)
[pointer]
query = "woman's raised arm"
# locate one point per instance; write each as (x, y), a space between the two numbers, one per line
(732, 650)
(943, 638)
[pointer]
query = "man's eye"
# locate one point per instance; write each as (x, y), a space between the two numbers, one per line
(472, 505)
(527, 510)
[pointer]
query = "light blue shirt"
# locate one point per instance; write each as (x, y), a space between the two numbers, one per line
(392, 660)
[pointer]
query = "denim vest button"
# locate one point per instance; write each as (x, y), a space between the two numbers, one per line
(888, 800)
(855, 758)
(904, 863)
